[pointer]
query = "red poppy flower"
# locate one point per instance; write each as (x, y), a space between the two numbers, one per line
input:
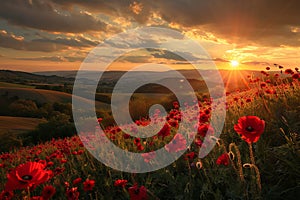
(198, 142)
(126, 136)
(49, 164)
(175, 105)
(165, 131)
(72, 194)
(204, 128)
(296, 76)
(148, 156)
(59, 170)
(190, 156)
(6, 195)
(137, 141)
(99, 120)
(66, 184)
(120, 182)
(263, 84)
(140, 147)
(88, 185)
(250, 128)
(142, 122)
(36, 198)
(27, 175)
(204, 117)
(77, 181)
(177, 144)
(137, 193)
(173, 123)
(48, 192)
(289, 71)
(223, 159)
(248, 100)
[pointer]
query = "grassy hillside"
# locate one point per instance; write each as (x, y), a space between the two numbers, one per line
(24, 77)
(41, 96)
(16, 125)
(14, 85)
(13, 128)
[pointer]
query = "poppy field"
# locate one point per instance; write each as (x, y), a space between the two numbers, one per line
(255, 157)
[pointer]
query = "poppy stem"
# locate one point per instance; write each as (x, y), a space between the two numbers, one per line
(28, 192)
(251, 153)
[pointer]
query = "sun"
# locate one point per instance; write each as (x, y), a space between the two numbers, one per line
(234, 63)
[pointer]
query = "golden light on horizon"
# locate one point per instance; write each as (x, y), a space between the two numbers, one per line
(234, 64)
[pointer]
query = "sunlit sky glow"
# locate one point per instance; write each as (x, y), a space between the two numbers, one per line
(48, 35)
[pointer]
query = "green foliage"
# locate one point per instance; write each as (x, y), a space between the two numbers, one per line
(24, 108)
(58, 126)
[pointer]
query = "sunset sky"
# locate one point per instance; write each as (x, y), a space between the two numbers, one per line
(48, 35)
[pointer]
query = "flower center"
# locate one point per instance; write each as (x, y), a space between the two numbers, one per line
(250, 129)
(137, 191)
(27, 177)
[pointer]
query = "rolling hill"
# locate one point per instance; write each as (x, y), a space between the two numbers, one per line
(43, 96)
(27, 78)
(18, 124)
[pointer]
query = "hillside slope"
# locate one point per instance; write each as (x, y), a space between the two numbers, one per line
(42, 96)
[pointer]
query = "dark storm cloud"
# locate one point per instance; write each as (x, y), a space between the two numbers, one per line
(43, 15)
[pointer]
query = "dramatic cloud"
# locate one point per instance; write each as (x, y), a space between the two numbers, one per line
(44, 15)
(72, 42)
(8, 40)
(18, 43)
(54, 59)
(175, 55)
(268, 22)
(132, 10)
(254, 32)
(220, 60)
(256, 63)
